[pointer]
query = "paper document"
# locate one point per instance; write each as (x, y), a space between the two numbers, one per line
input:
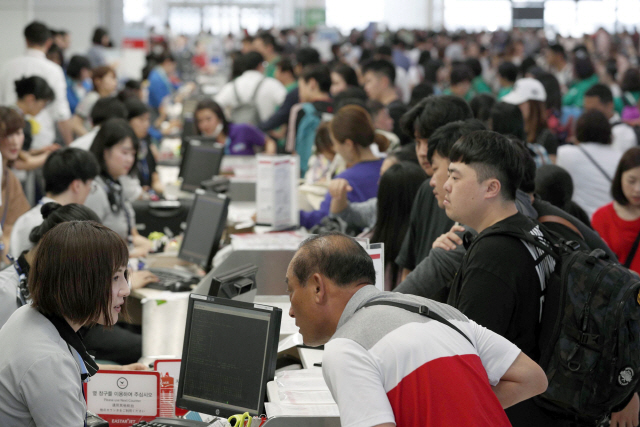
(279, 409)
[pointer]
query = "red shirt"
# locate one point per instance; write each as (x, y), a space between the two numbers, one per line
(618, 233)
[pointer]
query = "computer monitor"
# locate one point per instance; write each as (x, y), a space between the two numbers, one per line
(206, 222)
(229, 355)
(234, 283)
(201, 161)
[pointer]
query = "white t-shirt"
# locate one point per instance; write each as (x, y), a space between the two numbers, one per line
(268, 98)
(35, 63)
(591, 189)
(23, 226)
(9, 282)
(623, 136)
(85, 141)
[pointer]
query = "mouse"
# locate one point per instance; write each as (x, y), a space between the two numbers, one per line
(180, 287)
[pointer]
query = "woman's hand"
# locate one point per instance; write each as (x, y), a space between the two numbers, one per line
(338, 189)
(142, 278)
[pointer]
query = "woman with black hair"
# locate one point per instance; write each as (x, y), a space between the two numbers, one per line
(238, 138)
(100, 41)
(342, 77)
(116, 149)
(34, 94)
(139, 118)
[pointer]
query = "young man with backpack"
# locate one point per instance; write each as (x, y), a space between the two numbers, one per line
(504, 281)
(315, 107)
(252, 97)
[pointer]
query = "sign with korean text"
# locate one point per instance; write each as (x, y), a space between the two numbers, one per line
(124, 398)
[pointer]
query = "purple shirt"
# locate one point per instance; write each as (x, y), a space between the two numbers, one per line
(362, 177)
(242, 138)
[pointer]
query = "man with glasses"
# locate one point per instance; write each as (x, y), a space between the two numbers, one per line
(68, 175)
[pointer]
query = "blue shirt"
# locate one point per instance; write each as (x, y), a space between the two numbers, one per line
(362, 177)
(159, 87)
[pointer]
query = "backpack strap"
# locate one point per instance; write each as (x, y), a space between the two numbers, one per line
(606, 175)
(235, 92)
(537, 241)
(633, 251)
(255, 92)
(422, 310)
(562, 221)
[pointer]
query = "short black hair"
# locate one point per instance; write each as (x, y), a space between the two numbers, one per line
(107, 108)
(445, 136)
(554, 185)
(583, 67)
(600, 91)
(111, 133)
(630, 160)
(65, 166)
(528, 183)
(267, 38)
(508, 71)
(558, 49)
(36, 86)
(321, 74)
(37, 33)
(481, 105)
(460, 73)
(631, 80)
(474, 65)
(593, 126)
(252, 60)
(433, 112)
(491, 155)
(383, 50)
(286, 66)
(381, 67)
(351, 95)
(507, 119)
(76, 64)
(307, 56)
(336, 256)
(135, 108)
(552, 87)
(98, 34)
(420, 92)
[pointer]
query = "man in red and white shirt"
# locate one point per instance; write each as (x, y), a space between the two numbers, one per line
(386, 365)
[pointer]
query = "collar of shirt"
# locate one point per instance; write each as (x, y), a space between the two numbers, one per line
(358, 299)
(35, 53)
(74, 340)
(615, 118)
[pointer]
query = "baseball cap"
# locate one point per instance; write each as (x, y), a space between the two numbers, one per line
(524, 90)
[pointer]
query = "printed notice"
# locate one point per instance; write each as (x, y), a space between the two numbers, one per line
(169, 371)
(124, 397)
(376, 252)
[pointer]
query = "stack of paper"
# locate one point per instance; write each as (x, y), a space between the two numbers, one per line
(300, 393)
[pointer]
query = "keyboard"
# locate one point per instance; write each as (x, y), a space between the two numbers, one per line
(172, 281)
(171, 422)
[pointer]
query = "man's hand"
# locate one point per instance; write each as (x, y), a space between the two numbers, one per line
(450, 240)
(628, 417)
(338, 189)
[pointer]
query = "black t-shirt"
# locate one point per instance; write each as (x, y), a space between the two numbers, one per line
(396, 110)
(499, 287)
(426, 224)
(146, 163)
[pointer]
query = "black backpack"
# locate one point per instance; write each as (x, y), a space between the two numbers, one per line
(590, 330)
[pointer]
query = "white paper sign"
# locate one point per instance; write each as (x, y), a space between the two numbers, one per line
(276, 199)
(170, 368)
(376, 252)
(124, 393)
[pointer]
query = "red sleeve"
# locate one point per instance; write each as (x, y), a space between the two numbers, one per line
(602, 221)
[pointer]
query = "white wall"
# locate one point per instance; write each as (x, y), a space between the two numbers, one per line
(14, 16)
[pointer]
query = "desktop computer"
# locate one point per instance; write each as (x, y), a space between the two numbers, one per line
(205, 225)
(201, 161)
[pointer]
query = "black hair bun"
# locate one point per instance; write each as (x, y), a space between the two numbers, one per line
(47, 208)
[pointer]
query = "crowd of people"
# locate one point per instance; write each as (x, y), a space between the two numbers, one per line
(427, 142)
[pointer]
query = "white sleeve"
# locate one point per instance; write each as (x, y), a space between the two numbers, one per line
(226, 97)
(18, 238)
(61, 108)
(496, 352)
(355, 381)
(275, 95)
(52, 391)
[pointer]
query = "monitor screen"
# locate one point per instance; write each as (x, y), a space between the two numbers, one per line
(201, 162)
(206, 222)
(229, 355)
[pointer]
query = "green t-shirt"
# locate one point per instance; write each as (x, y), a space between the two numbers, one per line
(480, 86)
(270, 69)
(575, 96)
(467, 96)
(504, 91)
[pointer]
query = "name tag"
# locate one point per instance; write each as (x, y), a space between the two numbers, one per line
(124, 397)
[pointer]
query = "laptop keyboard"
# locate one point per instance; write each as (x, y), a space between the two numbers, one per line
(167, 281)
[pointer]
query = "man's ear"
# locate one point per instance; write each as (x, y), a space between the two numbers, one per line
(319, 284)
(493, 188)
